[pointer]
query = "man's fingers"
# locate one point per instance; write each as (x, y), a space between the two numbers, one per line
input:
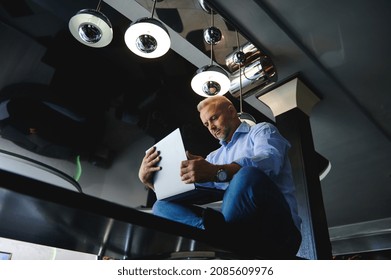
(190, 155)
(150, 151)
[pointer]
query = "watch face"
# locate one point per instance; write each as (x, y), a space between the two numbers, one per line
(222, 175)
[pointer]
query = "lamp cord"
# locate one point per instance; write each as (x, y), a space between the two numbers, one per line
(211, 42)
(240, 76)
(153, 8)
(240, 90)
(99, 5)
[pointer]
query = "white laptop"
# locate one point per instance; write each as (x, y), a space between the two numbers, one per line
(167, 182)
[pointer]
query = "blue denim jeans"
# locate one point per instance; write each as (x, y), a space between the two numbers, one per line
(250, 191)
(255, 208)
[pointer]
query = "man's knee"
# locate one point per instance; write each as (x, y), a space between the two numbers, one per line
(252, 183)
(159, 207)
(250, 176)
(250, 172)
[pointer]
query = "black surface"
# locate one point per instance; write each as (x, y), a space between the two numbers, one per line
(44, 214)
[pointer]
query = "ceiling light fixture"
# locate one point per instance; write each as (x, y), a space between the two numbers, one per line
(91, 27)
(211, 80)
(239, 58)
(258, 71)
(148, 37)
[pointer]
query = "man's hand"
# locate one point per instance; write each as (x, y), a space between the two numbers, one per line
(148, 167)
(197, 169)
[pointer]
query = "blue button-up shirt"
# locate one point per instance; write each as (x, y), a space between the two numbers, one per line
(261, 146)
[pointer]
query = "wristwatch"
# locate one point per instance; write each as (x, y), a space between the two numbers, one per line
(221, 175)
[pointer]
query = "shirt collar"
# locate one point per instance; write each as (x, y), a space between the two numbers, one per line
(242, 128)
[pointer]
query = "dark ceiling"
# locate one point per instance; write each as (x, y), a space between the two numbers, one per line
(339, 48)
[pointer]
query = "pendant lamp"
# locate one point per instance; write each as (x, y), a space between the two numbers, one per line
(148, 37)
(91, 27)
(239, 58)
(211, 80)
(206, 7)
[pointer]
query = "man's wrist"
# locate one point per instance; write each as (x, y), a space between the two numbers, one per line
(221, 175)
(227, 169)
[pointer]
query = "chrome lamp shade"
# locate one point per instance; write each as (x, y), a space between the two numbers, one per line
(148, 38)
(210, 81)
(246, 117)
(92, 28)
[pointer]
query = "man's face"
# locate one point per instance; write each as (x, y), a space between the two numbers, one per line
(218, 119)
